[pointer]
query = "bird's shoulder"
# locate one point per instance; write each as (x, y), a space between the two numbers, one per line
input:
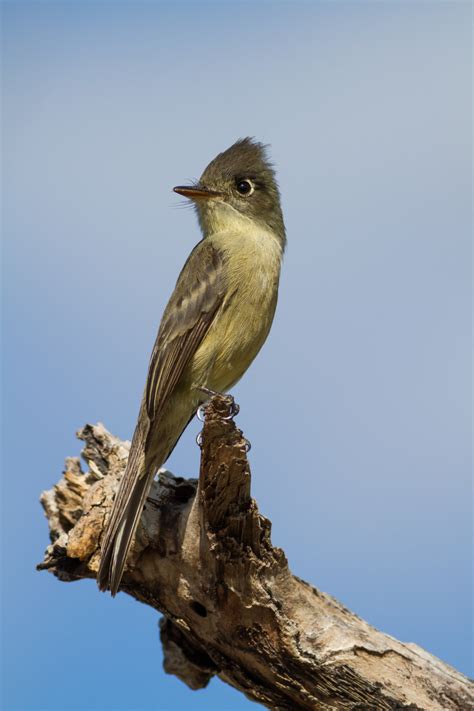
(199, 287)
(198, 294)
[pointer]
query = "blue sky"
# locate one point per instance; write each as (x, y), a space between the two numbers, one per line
(359, 406)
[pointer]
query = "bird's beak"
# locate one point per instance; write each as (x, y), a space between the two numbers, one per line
(197, 193)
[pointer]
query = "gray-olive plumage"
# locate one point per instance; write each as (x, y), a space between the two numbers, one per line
(216, 321)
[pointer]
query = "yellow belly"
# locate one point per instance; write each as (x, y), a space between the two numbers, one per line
(236, 335)
(241, 326)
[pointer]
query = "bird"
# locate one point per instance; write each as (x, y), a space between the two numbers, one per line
(216, 321)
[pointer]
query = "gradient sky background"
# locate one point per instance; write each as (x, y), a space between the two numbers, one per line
(358, 407)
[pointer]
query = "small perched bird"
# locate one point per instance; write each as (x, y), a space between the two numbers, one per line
(215, 323)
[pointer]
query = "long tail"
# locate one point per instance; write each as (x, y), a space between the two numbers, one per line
(130, 499)
(126, 513)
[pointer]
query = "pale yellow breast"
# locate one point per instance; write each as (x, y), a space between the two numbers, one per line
(253, 260)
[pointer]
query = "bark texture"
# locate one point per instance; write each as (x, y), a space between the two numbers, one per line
(203, 557)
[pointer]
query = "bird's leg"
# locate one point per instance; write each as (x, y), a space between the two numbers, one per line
(233, 406)
(201, 411)
(233, 411)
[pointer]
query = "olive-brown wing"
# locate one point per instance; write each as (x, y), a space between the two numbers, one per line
(198, 294)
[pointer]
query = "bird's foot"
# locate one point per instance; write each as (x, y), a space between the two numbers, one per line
(233, 411)
(233, 406)
(201, 411)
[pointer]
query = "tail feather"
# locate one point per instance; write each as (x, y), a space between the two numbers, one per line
(126, 512)
(128, 505)
(115, 552)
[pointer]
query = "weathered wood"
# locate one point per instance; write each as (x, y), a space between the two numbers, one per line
(203, 557)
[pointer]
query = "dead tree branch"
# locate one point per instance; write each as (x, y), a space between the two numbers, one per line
(203, 557)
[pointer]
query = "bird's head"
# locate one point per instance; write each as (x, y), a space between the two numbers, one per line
(238, 186)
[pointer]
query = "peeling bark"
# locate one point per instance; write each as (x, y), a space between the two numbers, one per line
(203, 557)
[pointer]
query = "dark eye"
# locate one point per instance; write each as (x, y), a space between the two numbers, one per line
(244, 187)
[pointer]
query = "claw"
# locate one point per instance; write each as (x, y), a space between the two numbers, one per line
(234, 409)
(201, 412)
